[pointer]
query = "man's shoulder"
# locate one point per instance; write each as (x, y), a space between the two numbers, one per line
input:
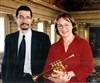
(39, 34)
(40, 37)
(12, 34)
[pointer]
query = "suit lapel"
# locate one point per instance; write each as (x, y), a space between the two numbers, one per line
(15, 43)
(35, 47)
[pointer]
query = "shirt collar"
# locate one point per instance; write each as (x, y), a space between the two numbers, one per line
(27, 35)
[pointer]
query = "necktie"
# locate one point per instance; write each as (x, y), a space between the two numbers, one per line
(21, 56)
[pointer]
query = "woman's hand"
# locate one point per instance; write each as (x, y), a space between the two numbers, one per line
(61, 77)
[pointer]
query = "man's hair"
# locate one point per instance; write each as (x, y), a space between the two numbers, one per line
(23, 7)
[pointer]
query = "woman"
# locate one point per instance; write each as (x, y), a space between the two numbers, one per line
(70, 46)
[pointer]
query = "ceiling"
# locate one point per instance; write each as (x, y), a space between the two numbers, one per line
(77, 5)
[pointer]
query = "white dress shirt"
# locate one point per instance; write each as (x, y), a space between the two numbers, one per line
(27, 64)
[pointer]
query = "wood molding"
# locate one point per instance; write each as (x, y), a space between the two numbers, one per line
(91, 17)
(41, 10)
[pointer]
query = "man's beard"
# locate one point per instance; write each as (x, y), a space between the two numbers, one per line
(24, 28)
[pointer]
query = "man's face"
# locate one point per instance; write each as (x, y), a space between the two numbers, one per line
(24, 20)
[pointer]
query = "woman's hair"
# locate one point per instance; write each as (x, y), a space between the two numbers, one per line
(67, 17)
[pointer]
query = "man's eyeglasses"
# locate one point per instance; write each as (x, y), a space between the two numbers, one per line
(22, 17)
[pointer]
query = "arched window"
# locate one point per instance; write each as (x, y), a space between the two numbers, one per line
(40, 27)
(1, 36)
(52, 34)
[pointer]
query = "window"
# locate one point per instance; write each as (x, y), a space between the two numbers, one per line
(1, 35)
(52, 34)
(40, 27)
(1, 40)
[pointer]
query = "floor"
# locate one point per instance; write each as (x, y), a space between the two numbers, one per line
(0, 81)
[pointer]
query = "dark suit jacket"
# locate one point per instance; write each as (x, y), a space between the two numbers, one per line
(39, 50)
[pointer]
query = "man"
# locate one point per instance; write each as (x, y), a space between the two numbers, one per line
(21, 62)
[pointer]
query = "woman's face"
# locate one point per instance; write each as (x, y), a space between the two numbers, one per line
(64, 27)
